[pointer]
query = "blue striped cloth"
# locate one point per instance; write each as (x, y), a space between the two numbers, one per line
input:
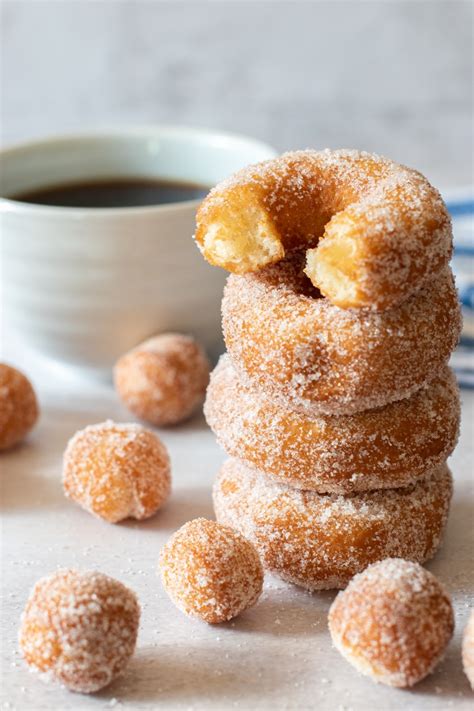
(461, 208)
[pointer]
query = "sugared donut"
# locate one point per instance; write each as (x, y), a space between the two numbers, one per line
(319, 541)
(315, 357)
(468, 649)
(393, 622)
(376, 449)
(163, 380)
(79, 629)
(380, 228)
(210, 571)
(116, 471)
(18, 406)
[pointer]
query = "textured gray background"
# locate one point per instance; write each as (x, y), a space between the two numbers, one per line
(393, 77)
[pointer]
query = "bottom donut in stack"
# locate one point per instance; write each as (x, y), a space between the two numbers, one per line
(323, 496)
(320, 541)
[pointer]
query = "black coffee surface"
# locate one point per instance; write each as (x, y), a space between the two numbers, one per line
(114, 192)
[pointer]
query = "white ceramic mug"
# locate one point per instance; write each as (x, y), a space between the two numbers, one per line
(83, 285)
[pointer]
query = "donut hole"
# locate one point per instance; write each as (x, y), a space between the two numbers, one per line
(79, 629)
(19, 409)
(116, 471)
(392, 622)
(305, 287)
(211, 571)
(163, 380)
(290, 275)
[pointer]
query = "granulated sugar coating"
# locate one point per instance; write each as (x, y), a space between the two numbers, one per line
(319, 541)
(468, 649)
(79, 629)
(210, 571)
(117, 471)
(315, 357)
(163, 380)
(393, 622)
(380, 228)
(18, 406)
(383, 448)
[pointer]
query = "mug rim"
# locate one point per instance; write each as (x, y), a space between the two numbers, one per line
(157, 130)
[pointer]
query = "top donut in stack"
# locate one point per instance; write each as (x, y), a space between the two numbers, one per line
(339, 318)
(375, 231)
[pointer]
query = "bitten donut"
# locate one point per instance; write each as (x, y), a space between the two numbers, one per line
(163, 380)
(210, 571)
(377, 230)
(18, 406)
(79, 629)
(383, 448)
(468, 649)
(116, 471)
(315, 357)
(393, 622)
(319, 541)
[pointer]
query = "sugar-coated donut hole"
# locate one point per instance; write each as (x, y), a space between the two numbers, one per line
(79, 629)
(393, 622)
(320, 541)
(163, 380)
(468, 649)
(210, 571)
(18, 406)
(116, 471)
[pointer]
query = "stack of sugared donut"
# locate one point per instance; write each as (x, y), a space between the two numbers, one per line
(334, 402)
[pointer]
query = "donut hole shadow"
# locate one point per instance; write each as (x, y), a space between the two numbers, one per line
(30, 477)
(175, 673)
(31, 491)
(448, 680)
(297, 613)
(182, 506)
(62, 423)
(193, 423)
(457, 546)
(28, 445)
